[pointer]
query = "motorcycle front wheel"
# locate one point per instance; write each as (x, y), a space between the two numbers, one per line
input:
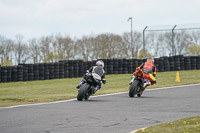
(82, 91)
(133, 88)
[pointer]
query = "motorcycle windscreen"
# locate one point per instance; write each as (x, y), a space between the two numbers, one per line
(98, 70)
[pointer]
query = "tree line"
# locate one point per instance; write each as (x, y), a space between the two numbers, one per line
(57, 47)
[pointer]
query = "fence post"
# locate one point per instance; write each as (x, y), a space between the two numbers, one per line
(35, 59)
(173, 45)
(144, 41)
(1, 61)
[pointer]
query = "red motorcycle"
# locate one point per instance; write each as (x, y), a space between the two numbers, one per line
(137, 84)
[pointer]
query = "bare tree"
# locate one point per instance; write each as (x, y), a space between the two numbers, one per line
(35, 50)
(195, 37)
(85, 48)
(133, 50)
(156, 44)
(160, 49)
(100, 46)
(169, 43)
(108, 46)
(127, 44)
(21, 51)
(45, 44)
(6, 48)
(57, 47)
(137, 42)
(151, 43)
(182, 41)
(64, 46)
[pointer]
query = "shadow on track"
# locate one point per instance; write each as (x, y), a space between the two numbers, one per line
(94, 100)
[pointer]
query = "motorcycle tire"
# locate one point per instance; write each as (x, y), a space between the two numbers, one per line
(82, 91)
(87, 95)
(133, 88)
(139, 94)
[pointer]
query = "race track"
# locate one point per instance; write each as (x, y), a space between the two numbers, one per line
(104, 114)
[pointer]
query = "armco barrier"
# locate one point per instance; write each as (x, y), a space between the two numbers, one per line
(77, 68)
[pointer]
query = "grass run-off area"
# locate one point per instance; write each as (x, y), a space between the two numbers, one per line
(17, 93)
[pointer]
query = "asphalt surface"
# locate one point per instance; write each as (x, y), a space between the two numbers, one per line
(105, 114)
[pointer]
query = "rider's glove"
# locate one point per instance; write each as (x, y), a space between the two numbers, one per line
(138, 68)
(104, 81)
(87, 72)
(134, 73)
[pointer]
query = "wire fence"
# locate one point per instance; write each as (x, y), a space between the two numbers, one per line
(171, 39)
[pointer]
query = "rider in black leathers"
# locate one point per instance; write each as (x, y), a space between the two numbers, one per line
(98, 69)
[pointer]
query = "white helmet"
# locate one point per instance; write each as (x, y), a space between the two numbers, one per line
(100, 63)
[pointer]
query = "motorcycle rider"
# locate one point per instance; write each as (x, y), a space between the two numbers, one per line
(149, 70)
(100, 71)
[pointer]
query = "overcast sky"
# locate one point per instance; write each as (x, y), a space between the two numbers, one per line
(36, 18)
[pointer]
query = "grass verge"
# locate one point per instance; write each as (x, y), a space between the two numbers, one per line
(17, 93)
(186, 125)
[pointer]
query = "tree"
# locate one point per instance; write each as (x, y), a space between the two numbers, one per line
(195, 37)
(156, 43)
(6, 48)
(52, 57)
(21, 51)
(35, 50)
(45, 45)
(181, 42)
(64, 46)
(7, 63)
(147, 54)
(108, 46)
(85, 48)
(194, 49)
(132, 50)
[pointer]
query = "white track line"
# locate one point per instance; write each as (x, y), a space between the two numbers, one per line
(137, 130)
(74, 99)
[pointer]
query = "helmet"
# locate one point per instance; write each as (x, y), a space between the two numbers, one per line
(100, 63)
(150, 59)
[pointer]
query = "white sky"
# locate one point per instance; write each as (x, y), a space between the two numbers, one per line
(37, 18)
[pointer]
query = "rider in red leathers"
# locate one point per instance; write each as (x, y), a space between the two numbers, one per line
(149, 70)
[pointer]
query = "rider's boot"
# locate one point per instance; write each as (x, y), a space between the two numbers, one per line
(143, 88)
(96, 88)
(81, 83)
(140, 91)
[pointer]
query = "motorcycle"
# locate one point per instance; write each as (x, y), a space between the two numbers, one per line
(137, 84)
(87, 89)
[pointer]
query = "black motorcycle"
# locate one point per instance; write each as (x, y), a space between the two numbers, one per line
(87, 89)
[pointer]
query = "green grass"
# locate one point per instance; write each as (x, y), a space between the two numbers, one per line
(17, 93)
(186, 125)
